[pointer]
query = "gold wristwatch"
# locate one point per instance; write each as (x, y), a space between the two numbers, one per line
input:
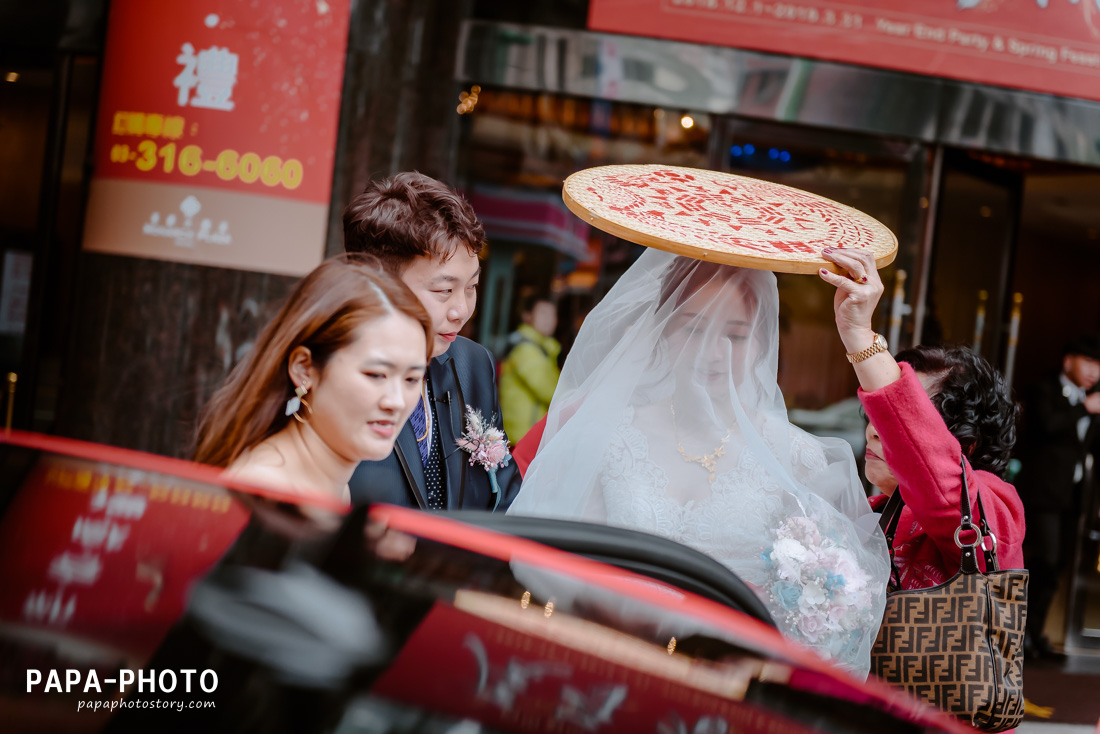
(878, 345)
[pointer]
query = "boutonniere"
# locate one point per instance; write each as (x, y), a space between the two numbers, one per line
(486, 445)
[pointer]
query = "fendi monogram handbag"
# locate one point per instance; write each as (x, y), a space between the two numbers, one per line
(959, 645)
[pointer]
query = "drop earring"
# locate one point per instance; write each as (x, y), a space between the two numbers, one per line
(295, 404)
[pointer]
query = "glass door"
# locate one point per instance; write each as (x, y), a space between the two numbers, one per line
(969, 299)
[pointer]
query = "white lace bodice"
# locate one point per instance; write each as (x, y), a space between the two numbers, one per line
(730, 521)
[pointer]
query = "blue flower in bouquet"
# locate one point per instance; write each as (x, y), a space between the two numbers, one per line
(834, 582)
(787, 594)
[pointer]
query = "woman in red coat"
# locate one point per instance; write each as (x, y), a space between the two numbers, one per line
(925, 414)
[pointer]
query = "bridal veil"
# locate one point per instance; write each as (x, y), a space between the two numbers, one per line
(668, 419)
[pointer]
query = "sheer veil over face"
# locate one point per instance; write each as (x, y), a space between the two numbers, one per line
(668, 419)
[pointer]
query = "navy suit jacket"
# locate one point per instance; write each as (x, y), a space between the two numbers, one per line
(463, 376)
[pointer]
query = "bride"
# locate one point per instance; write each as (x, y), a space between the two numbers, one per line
(668, 419)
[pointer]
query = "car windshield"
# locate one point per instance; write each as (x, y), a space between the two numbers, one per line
(378, 620)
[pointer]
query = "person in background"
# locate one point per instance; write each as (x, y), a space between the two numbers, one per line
(428, 236)
(530, 372)
(329, 383)
(1061, 436)
(928, 410)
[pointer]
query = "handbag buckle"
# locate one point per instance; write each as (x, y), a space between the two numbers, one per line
(977, 536)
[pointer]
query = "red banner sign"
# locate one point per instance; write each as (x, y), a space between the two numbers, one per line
(217, 130)
(1041, 45)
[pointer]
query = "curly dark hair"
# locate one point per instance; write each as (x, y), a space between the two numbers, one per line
(973, 399)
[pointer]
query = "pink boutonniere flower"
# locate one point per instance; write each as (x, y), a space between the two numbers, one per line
(486, 445)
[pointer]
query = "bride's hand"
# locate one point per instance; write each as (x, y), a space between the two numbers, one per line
(858, 290)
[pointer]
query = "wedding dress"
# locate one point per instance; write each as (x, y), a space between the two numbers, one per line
(668, 419)
(726, 525)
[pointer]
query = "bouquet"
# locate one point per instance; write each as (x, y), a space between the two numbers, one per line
(823, 597)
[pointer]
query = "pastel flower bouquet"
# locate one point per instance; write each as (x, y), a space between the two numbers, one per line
(822, 595)
(487, 445)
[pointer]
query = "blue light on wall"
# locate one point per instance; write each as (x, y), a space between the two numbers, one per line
(748, 149)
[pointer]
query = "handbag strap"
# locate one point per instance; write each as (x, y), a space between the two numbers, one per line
(888, 521)
(891, 513)
(968, 561)
(991, 552)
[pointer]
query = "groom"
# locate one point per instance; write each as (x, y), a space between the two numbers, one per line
(428, 236)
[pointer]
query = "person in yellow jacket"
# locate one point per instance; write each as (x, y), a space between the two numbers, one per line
(530, 372)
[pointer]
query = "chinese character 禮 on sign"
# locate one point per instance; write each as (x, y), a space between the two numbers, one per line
(211, 75)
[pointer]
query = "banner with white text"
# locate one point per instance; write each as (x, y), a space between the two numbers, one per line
(1048, 46)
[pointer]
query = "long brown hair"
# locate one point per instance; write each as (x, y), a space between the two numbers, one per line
(322, 313)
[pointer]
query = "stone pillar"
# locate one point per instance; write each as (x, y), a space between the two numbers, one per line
(400, 96)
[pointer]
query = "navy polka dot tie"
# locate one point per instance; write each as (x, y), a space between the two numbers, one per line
(431, 455)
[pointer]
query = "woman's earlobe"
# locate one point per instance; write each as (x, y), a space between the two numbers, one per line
(299, 364)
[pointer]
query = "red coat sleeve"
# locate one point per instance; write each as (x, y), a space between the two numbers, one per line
(524, 452)
(924, 457)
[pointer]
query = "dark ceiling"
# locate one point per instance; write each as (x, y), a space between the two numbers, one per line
(33, 32)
